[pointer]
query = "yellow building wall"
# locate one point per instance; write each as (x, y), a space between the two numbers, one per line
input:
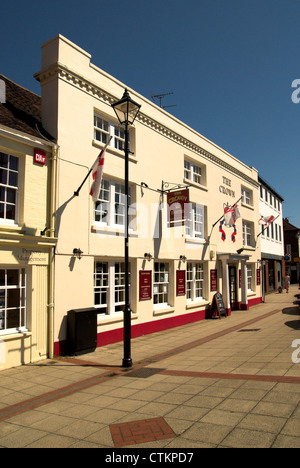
(23, 247)
(161, 144)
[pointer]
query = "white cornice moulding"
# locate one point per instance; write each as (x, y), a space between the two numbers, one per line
(73, 78)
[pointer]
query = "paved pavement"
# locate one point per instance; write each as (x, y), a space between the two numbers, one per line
(217, 383)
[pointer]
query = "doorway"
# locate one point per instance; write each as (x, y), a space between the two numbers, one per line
(233, 287)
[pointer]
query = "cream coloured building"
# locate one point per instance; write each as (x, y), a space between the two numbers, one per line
(174, 271)
(27, 228)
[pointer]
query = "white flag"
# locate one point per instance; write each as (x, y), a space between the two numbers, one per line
(98, 174)
(266, 220)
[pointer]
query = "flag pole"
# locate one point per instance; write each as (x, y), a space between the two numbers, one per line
(223, 213)
(88, 174)
(267, 227)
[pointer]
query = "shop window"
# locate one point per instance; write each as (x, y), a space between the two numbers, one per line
(109, 287)
(195, 282)
(9, 180)
(250, 278)
(161, 284)
(13, 313)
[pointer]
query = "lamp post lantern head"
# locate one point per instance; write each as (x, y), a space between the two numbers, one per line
(126, 109)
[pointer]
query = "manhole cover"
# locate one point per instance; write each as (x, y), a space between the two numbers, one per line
(249, 330)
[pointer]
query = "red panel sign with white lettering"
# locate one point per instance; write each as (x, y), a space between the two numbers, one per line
(40, 157)
(180, 283)
(145, 285)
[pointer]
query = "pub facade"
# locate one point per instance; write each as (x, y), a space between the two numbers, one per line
(176, 267)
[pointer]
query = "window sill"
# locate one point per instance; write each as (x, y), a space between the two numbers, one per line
(163, 311)
(104, 230)
(15, 335)
(195, 240)
(10, 227)
(192, 305)
(115, 151)
(112, 319)
(245, 205)
(195, 184)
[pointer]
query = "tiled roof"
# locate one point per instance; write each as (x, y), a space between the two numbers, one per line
(22, 110)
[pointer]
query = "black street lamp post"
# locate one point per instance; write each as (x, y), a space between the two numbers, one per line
(126, 110)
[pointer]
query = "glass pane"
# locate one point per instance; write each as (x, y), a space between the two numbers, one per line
(13, 318)
(3, 176)
(13, 298)
(13, 163)
(10, 212)
(3, 160)
(13, 277)
(2, 277)
(11, 196)
(13, 179)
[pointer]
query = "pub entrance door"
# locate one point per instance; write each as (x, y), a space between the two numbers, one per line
(233, 287)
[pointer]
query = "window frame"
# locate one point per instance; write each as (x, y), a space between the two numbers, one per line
(6, 187)
(113, 287)
(22, 307)
(111, 206)
(195, 211)
(247, 196)
(111, 129)
(161, 280)
(248, 233)
(194, 284)
(194, 172)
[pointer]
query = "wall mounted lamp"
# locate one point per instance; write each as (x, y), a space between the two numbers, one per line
(148, 256)
(78, 253)
(183, 258)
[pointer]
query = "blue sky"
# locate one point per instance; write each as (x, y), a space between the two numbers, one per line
(229, 63)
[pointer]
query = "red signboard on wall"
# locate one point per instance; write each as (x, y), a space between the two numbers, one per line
(145, 285)
(40, 157)
(180, 283)
(213, 280)
(258, 277)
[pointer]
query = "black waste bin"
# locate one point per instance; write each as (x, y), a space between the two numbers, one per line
(82, 331)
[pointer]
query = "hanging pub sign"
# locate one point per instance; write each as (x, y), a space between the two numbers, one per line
(180, 283)
(178, 203)
(145, 285)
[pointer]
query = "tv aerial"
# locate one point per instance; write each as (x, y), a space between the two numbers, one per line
(160, 97)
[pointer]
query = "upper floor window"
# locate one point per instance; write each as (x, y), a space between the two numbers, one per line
(248, 233)
(9, 180)
(247, 196)
(110, 209)
(104, 129)
(193, 172)
(195, 224)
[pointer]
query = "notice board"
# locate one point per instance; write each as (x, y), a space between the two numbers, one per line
(217, 307)
(145, 285)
